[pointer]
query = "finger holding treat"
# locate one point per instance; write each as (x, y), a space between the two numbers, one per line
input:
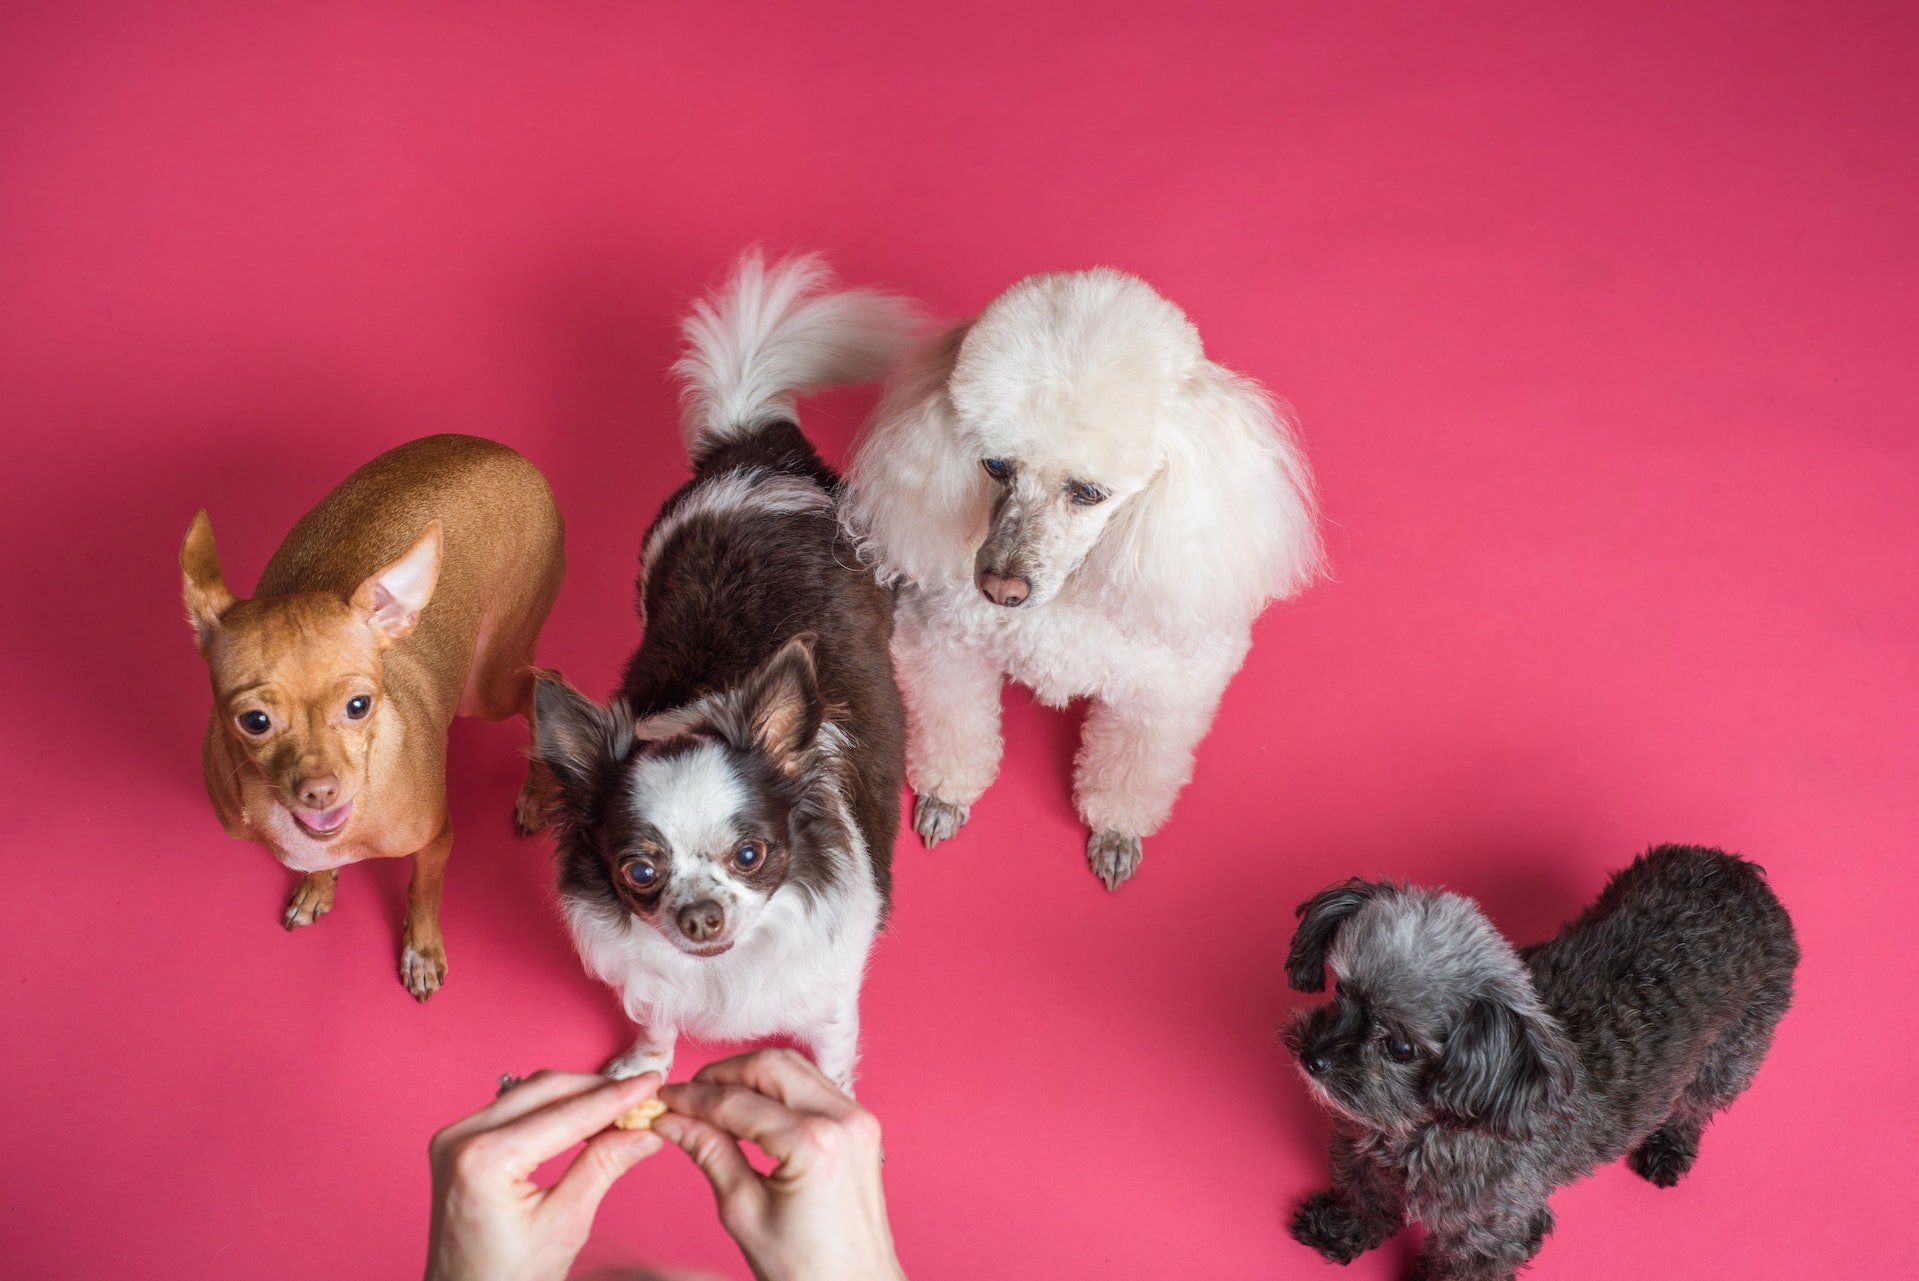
(491, 1222)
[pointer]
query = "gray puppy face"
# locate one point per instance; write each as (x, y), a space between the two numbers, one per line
(1433, 1018)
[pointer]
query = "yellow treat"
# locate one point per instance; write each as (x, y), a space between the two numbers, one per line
(640, 1117)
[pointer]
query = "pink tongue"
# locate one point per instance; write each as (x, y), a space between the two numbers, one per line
(325, 820)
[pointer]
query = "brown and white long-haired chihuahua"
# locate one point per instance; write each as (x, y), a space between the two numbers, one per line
(726, 825)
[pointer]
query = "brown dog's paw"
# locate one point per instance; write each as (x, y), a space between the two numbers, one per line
(423, 970)
(312, 899)
(534, 803)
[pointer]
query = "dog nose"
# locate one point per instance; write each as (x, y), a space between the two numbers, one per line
(702, 920)
(317, 793)
(1315, 1063)
(1010, 592)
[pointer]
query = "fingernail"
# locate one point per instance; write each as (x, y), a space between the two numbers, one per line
(668, 1128)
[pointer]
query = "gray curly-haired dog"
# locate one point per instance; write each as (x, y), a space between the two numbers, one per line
(1468, 1080)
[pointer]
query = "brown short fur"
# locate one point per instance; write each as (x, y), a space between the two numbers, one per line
(420, 584)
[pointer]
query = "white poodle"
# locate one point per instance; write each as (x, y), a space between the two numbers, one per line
(1067, 492)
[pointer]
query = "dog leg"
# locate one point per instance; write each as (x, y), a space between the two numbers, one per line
(1134, 757)
(312, 899)
(535, 799)
(1338, 1227)
(1484, 1250)
(1725, 1070)
(1667, 1153)
(836, 1045)
(423, 950)
(951, 690)
(652, 1052)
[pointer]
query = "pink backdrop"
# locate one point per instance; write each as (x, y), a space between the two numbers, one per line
(1601, 329)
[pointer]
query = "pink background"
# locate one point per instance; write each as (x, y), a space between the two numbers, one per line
(1601, 328)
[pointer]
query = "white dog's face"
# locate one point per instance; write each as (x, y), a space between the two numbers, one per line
(1044, 518)
(1059, 390)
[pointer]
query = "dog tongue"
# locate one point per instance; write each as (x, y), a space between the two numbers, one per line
(325, 820)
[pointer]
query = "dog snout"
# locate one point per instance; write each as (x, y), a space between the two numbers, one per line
(703, 920)
(1003, 590)
(317, 792)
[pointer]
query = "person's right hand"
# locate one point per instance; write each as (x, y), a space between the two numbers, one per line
(820, 1215)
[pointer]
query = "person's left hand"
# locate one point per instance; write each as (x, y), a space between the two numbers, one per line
(491, 1222)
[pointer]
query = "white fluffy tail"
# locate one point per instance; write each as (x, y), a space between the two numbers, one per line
(770, 333)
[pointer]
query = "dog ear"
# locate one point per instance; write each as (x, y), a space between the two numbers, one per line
(1502, 1069)
(781, 702)
(394, 597)
(914, 495)
(1228, 524)
(202, 586)
(576, 737)
(1319, 919)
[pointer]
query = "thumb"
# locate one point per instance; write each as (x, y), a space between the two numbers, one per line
(598, 1166)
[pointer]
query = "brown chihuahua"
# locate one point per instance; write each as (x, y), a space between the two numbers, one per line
(412, 594)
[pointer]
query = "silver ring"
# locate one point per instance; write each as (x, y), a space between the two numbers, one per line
(507, 1082)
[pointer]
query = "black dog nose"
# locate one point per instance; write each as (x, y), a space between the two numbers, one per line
(702, 920)
(1315, 1063)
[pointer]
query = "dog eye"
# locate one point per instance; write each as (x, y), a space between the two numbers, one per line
(997, 468)
(255, 723)
(748, 855)
(358, 706)
(1084, 494)
(1400, 1050)
(640, 874)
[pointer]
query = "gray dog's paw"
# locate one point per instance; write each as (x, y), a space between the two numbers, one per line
(936, 820)
(1665, 1156)
(1114, 856)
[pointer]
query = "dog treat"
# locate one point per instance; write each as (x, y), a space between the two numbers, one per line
(641, 1116)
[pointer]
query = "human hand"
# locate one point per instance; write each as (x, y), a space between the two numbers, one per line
(820, 1215)
(491, 1222)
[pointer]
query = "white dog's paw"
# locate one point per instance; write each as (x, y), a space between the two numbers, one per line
(1114, 856)
(638, 1061)
(936, 820)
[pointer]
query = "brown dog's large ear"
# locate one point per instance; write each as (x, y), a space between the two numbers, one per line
(394, 597)
(576, 737)
(781, 703)
(203, 587)
(1319, 919)
(1502, 1069)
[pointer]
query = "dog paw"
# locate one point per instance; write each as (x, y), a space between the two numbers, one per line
(936, 820)
(423, 970)
(530, 808)
(1663, 1157)
(1325, 1222)
(638, 1061)
(312, 899)
(529, 811)
(1115, 857)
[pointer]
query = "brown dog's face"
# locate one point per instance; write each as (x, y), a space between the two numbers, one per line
(298, 680)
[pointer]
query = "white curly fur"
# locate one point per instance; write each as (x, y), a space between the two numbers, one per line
(1142, 603)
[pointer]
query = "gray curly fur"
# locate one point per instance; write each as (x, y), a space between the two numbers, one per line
(1525, 1070)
